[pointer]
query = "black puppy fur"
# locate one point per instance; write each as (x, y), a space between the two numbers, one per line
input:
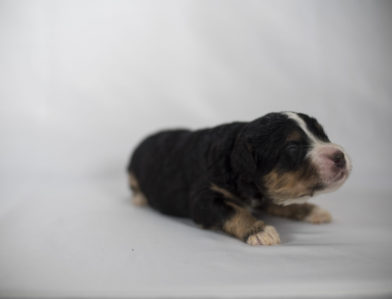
(220, 177)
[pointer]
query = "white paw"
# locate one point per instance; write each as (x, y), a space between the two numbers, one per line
(269, 236)
(318, 215)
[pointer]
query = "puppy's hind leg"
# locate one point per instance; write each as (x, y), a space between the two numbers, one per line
(138, 198)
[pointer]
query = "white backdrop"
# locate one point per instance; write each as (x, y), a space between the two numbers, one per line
(81, 82)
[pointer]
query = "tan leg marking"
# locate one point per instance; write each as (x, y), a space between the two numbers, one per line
(304, 212)
(138, 198)
(222, 191)
(249, 229)
(133, 182)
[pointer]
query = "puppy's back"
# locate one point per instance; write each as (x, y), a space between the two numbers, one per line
(167, 166)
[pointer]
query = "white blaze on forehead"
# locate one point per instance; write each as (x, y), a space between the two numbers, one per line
(301, 123)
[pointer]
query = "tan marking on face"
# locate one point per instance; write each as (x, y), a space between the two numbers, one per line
(222, 191)
(294, 136)
(242, 223)
(138, 198)
(290, 184)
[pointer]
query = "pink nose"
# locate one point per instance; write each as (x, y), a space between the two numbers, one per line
(338, 159)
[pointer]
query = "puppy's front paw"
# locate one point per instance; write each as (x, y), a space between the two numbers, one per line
(318, 215)
(268, 236)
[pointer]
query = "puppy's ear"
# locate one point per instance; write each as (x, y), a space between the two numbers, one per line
(242, 157)
(255, 150)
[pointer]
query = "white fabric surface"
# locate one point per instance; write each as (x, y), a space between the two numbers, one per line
(85, 239)
(83, 81)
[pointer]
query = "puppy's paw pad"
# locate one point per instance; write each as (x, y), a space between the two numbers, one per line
(318, 215)
(269, 236)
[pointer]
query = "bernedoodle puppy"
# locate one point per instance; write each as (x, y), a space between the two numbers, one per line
(222, 177)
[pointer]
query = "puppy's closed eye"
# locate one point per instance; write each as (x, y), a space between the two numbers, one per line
(292, 149)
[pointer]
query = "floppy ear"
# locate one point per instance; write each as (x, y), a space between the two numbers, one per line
(242, 158)
(255, 149)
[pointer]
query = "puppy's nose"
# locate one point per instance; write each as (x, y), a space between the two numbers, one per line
(338, 158)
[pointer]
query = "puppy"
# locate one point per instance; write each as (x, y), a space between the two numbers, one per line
(222, 177)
